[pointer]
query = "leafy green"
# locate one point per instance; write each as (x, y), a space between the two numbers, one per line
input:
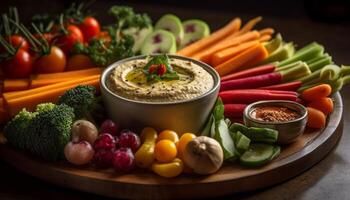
(125, 18)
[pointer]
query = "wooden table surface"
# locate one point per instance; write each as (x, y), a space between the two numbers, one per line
(329, 179)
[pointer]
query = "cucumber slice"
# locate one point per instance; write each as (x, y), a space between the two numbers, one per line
(257, 155)
(160, 41)
(222, 135)
(171, 23)
(276, 152)
(242, 142)
(139, 36)
(194, 30)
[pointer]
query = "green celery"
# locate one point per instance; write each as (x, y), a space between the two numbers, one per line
(282, 53)
(320, 63)
(289, 66)
(316, 58)
(296, 72)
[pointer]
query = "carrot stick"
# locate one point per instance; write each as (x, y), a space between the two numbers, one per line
(248, 26)
(4, 116)
(267, 31)
(315, 118)
(235, 64)
(317, 92)
(250, 72)
(265, 38)
(249, 96)
(234, 110)
(225, 54)
(15, 85)
(30, 101)
(232, 27)
(291, 86)
(206, 54)
(324, 104)
(68, 74)
(12, 95)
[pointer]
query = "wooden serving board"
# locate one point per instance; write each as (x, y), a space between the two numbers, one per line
(295, 158)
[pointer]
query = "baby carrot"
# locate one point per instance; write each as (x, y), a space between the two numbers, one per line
(317, 92)
(316, 118)
(323, 104)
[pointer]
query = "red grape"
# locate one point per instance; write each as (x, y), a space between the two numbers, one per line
(130, 140)
(105, 141)
(123, 160)
(108, 126)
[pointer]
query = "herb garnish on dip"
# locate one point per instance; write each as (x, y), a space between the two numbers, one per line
(159, 79)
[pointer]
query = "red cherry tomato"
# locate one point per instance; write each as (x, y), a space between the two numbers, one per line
(90, 28)
(16, 41)
(53, 62)
(20, 66)
(67, 41)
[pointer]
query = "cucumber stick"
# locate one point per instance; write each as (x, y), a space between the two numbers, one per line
(207, 127)
(257, 155)
(222, 135)
(255, 134)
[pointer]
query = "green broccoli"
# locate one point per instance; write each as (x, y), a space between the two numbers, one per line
(16, 130)
(44, 107)
(84, 102)
(49, 132)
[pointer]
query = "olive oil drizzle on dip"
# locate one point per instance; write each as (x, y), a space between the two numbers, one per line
(274, 114)
(129, 80)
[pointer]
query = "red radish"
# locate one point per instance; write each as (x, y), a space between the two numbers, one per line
(291, 86)
(234, 110)
(252, 82)
(249, 96)
(250, 72)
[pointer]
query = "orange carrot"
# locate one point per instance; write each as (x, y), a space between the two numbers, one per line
(262, 55)
(225, 54)
(265, 38)
(235, 64)
(68, 74)
(316, 118)
(323, 104)
(15, 84)
(12, 95)
(232, 27)
(267, 31)
(317, 92)
(4, 116)
(206, 54)
(30, 101)
(248, 26)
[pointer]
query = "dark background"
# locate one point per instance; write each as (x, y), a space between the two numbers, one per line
(326, 22)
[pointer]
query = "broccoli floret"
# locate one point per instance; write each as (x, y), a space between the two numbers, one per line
(44, 107)
(16, 130)
(49, 132)
(84, 102)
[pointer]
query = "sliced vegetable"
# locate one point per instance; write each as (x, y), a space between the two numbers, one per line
(160, 41)
(247, 96)
(250, 72)
(234, 110)
(290, 86)
(70, 74)
(317, 92)
(323, 104)
(11, 85)
(222, 135)
(79, 62)
(242, 142)
(315, 118)
(320, 63)
(285, 51)
(257, 155)
(195, 30)
(171, 23)
(236, 63)
(207, 128)
(255, 134)
(232, 27)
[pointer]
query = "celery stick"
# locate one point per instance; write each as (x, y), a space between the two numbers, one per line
(291, 65)
(274, 44)
(317, 58)
(320, 63)
(304, 54)
(327, 72)
(344, 70)
(295, 72)
(282, 53)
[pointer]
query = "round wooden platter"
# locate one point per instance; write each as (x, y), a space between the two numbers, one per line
(295, 158)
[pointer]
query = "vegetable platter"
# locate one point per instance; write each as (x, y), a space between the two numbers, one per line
(170, 109)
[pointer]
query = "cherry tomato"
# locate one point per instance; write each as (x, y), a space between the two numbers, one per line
(90, 28)
(165, 151)
(17, 41)
(79, 61)
(47, 36)
(53, 62)
(67, 41)
(184, 140)
(20, 66)
(169, 135)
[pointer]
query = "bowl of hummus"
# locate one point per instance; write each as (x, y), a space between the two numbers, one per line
(143, 91)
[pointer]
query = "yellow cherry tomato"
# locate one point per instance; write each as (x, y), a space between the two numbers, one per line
(165, 151)
(168, 170)
(184, 140)
(144, 156)
(168, 135)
